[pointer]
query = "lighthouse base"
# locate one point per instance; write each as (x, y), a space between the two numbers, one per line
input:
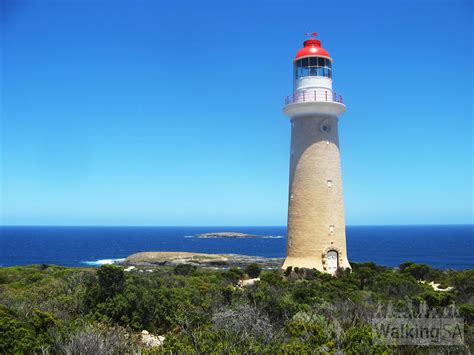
(329, 263)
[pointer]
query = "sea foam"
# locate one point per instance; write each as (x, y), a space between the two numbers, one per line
(103, 262)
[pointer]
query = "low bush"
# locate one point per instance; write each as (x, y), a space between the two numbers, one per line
(85, 310)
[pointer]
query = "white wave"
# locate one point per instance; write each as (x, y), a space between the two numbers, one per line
(189, 236)
(273, 237)
(103, 262)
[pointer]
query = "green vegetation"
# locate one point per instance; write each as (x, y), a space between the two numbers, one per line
(253, 270)
(52, 309)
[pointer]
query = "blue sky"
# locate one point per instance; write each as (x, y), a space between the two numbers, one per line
(169, 112)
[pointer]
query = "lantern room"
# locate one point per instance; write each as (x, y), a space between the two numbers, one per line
(312, 67)
(312, 83)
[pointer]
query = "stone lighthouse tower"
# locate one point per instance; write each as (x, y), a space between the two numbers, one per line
(316, 227)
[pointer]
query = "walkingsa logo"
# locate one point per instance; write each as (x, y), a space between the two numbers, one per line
(420, 326)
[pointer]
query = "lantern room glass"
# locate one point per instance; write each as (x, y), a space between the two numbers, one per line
(313, 66)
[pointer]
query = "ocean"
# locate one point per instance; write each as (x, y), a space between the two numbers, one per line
(443, 246)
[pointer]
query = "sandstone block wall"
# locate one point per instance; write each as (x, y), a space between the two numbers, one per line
(315, 209)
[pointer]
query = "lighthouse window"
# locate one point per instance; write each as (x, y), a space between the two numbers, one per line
(325, 128)
(313, 66)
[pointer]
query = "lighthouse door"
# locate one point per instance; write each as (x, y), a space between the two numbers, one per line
(332, 261)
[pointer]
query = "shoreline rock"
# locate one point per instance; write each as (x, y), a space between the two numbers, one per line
(224, 261)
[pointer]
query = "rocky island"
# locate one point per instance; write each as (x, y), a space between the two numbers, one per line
(226, 235)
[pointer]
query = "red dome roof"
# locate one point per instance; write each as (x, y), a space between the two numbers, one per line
(312, 47)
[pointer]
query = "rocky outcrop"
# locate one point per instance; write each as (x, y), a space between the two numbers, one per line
(199, 259)
(150, 340)
(226, 235)
(247, 282)
(436, 287)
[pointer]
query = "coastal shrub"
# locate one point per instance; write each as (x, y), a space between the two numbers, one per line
(91, 296)
(362, 339)
(234, 274)
(436, 299)
(204, 312)
(43, 266)
(253, 270)
(425, 272)
(228, 293)
(183, 269)
(418, 271)
(467, 312)
(111, 280)
(311, 333)
(463, 282)
(133, 307)
(392, 284)
(343, 272)
(273, 300)
(403, 266)
(365, 275)
(304, 291)
(43, 324)
(295, 346)
(15, 338)
(91, 339)
(271, 277)
(371, 265)
(243, 322)
(42, 321)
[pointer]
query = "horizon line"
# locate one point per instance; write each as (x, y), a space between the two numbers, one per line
(214, 226)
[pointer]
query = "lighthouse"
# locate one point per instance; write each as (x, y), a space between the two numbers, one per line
(316, 226)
